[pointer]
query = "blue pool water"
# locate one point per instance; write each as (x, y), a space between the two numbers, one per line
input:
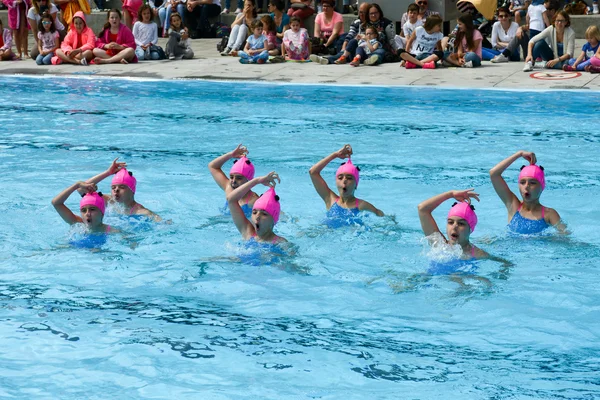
(167, 310)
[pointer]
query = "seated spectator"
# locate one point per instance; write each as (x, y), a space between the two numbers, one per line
(503, 31)
(48, 40)
(68, 9)
(301, 9)
(197, 17)
(518, 8)
(145, 33)
(281, 20)
(423, 13)
(329, 25)
(34, 15)
(387, 34)
(270, 31)
(425, 45)
(366, 46)
(179, 45)
(295, 45)
(467, 46)
(239, 28)
(156, 5)
(6, 43)
(554, 45)
(78, 44)
(130, 12)
(115, 43)
(588, 51)
(255, 51)
(17, 22)
(409, 26)
(164, 13)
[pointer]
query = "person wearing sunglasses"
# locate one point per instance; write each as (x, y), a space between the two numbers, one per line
(503, 31)
(424, 12)
(555, 44)
(34, 15)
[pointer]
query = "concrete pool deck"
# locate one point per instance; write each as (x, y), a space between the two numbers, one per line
(208, 64)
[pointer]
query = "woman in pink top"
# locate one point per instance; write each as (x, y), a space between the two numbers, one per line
(468, 50)
(115, 43)
(329, 25)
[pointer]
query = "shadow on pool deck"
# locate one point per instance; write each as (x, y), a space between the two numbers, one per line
(208, 64)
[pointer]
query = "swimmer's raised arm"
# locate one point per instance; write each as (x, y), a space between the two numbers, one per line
(426, 208)
(509, 199)
(216, 165)
(242, 223)
(319, 183)
(115, 167)
(59, 201)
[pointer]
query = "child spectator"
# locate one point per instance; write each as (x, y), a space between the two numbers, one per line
(425, 45)
(270, 31)
(164, 13)
(116, 42)
(48, 40)
(588, 51)
(256, 46)
(295, 42)
(17, 21)
(145, 33)
(409, 26)
(366, 46)
(179, 45)
(5, 44)
(78, 44)
(537, 18)
(467, 44)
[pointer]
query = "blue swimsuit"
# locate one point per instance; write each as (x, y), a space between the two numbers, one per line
(338, 216)
(455, 266)
(261, 253)
(525, 226)
(90, 240)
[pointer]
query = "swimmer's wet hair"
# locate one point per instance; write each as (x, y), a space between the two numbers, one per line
(470, 205)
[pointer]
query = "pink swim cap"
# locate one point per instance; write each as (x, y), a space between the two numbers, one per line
(243, 167)
(533, 171)
(124, 177)
(93, 199)
(269, 202)
(465, 211)
(349, 168)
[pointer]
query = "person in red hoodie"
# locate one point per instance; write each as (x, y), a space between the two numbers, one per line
(115, 43)
(77, 46)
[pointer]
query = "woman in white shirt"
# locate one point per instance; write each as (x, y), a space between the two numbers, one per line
(503, 31)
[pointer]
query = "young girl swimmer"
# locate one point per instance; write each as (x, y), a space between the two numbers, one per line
(241, 172)
(460, 223)
(123, 188)
(527, 216)
(91, 206)
(347, 177)
(265, 212)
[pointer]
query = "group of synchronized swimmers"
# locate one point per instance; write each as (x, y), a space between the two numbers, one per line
(255, 216)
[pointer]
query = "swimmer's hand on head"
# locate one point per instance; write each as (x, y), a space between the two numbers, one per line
(465, 195)
(239, 152)
(344, 152)
(271, 179)
(86, 187)
(114, 167)
(215, 167)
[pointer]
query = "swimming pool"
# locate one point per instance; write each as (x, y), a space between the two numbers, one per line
(163, 312)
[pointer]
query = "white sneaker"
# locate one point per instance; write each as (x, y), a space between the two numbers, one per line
(171, 57)
(318, 59)
(500, 58)
(226, 51)
(83, 61)
(225, 11)
(238, 10)
(468, 64)
(528, 67)
(540, 65)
